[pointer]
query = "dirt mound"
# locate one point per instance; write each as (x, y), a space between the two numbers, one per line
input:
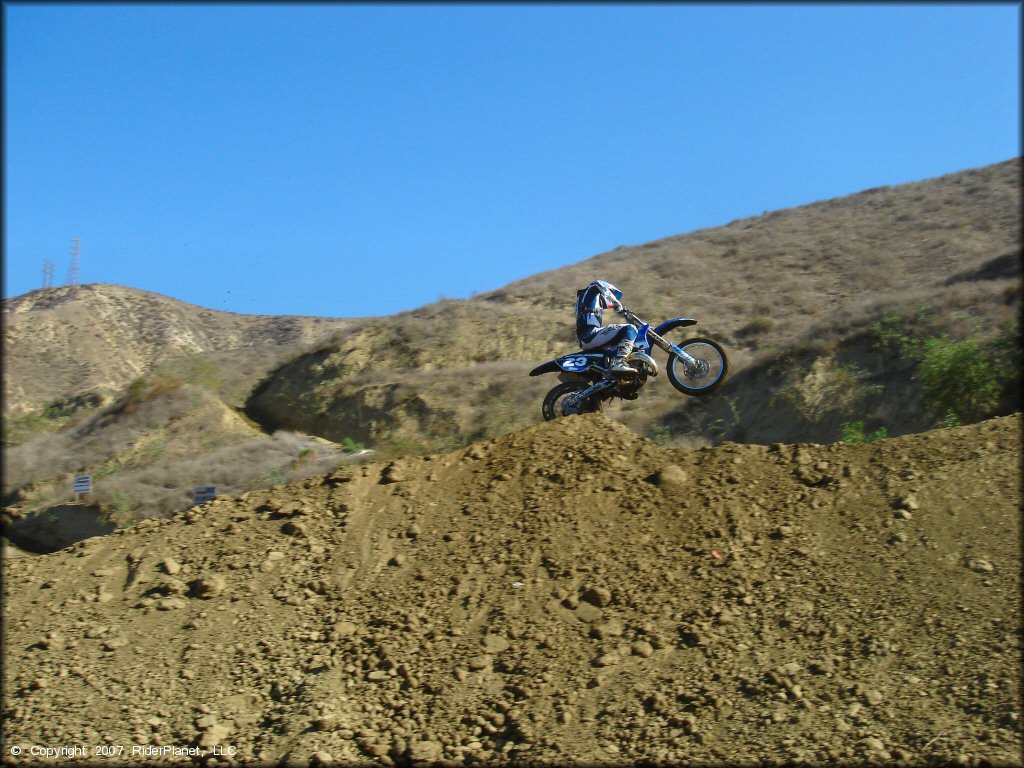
(567, 593)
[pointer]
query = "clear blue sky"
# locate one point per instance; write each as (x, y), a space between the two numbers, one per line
(350, 160)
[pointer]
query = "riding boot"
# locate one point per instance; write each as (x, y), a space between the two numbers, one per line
(621, 353)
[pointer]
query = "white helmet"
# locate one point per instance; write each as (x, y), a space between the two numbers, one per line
(609, 292)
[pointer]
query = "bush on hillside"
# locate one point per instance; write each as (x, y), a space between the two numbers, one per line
(53, 416)
(853, 432)
(958, 378)
(962, 380)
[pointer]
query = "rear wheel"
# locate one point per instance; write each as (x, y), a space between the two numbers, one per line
(555, 406)
(706, 376)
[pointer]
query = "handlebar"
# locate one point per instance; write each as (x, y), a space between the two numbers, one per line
(630, 316)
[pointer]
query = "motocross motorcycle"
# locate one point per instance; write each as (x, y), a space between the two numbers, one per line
(695, 367)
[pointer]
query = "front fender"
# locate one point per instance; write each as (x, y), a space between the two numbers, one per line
(551, 366)
(675, 322)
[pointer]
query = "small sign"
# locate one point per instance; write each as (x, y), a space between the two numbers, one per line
(82, 484)
(204, 493)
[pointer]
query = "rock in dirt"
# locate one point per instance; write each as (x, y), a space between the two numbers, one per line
(209, 586)
(425, 751)
(345, 629)
(642, 648)
(494, 644)
(606, 629)
(980, 565)
(598, 596)
(672, 478)
(392, 473)
(907, 501)
(171, 587)
(588, 612)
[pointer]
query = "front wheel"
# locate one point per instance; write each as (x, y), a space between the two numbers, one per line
(555, 405)
(706, 376)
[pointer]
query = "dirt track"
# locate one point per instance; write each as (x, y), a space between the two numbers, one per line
(568, 593)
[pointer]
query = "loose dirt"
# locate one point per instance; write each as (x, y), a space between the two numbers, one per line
(566, 593)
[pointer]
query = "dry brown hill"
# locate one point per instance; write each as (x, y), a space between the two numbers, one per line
(62, 343)
(566, 593)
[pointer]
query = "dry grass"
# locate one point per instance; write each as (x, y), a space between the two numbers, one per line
(148, 449)
(252, 463)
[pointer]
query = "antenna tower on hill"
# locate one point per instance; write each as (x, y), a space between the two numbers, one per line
(47, 273)
(73, 269)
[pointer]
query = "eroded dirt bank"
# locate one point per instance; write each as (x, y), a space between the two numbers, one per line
(568, 593)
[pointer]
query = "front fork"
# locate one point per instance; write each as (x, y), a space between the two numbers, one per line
(692, 363)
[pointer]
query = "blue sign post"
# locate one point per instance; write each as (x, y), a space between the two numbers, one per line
(82, 484)
(204, 493)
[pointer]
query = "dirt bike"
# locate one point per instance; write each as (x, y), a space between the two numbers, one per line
(696, 367)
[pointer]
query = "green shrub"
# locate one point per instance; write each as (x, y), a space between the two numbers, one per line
(351, 446)
(137, 388)
(720, 427)
(52, 416)
(892, 335)
(822, 388)
(269, 479)
(1005, 352)
(500, 416)
(106, 469)
(852, 432)
(118, 510)
(958, 378)
(21, 428)
(202, 371)
(962, 380)
(659, 434)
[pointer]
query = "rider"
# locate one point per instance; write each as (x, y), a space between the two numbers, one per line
(590, 305)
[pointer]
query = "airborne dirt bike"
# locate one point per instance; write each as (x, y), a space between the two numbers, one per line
(695, 367)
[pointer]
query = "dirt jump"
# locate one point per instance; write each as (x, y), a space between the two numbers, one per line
(569, 593)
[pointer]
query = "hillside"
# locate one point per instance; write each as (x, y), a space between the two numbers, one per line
(811, 277)
(834, 315)
(145, 452)
(66, 342)
(568, 593)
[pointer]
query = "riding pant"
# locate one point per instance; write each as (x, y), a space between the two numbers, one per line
(607, 335)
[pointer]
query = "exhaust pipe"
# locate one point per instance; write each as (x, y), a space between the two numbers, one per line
(646, 360)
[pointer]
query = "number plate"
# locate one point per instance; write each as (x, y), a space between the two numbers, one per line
(575, 364)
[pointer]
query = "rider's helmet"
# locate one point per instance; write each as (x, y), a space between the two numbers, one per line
(608, 293)
(608, 290)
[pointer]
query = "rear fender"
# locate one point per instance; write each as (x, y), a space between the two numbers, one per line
(573, 363)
